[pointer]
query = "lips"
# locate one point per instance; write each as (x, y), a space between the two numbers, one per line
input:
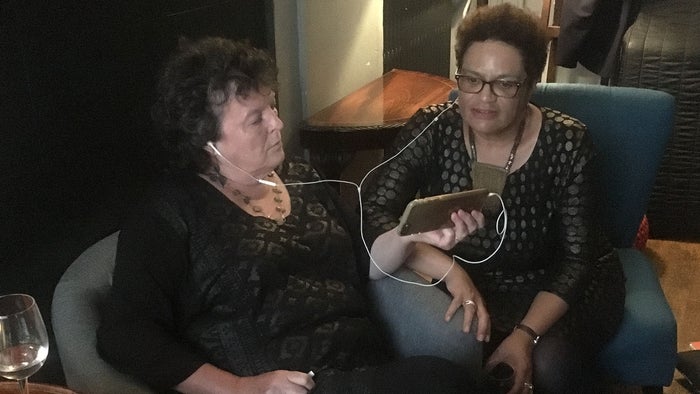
(481, 113)
(276, 146)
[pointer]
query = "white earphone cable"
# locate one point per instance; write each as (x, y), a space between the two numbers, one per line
(500, 230)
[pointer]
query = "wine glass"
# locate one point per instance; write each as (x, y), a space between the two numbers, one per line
(24, 343)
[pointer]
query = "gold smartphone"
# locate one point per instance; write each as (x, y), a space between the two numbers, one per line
(432, 213)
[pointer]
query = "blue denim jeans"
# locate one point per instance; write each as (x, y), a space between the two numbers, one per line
(414, 318)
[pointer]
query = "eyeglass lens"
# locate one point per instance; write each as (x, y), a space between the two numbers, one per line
(499, 87)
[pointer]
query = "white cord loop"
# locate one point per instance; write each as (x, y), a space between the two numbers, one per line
(500, 229)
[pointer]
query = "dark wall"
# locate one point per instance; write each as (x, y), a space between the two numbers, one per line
(76, 82)
(417, 35)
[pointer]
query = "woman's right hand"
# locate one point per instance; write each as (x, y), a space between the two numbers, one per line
(391, 250)
(516, 351)
(463, 225)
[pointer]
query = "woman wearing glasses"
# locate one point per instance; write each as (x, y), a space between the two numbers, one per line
(550, 290)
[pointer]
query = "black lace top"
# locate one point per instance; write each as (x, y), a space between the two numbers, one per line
(552, 240)
(199, 280)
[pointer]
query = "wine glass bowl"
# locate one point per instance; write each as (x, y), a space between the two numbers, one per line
(24, 343)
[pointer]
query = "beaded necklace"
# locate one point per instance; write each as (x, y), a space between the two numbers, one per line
(490, 177)
(511, 156)
(280, 211)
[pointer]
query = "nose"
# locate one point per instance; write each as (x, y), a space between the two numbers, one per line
(486, 91)
(276, 122)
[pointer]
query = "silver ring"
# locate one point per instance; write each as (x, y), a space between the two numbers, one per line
(468, 302)
(529, 386)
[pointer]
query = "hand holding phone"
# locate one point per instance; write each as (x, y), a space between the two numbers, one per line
(431, 213)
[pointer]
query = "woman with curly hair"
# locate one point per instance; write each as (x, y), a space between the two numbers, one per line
(548, 290)
(235, 274)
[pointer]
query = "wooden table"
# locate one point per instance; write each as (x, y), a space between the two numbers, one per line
(12, 387)
(369, 117)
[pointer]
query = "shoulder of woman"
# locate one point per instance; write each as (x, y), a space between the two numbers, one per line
(429, 115)
(173, 193)
(556, 116)
(164, 203)
(557, 122)
(298, 169)
(176, 183)
(435, 109)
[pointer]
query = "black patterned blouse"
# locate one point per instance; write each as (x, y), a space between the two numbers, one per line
(552, 240)
(199, 280)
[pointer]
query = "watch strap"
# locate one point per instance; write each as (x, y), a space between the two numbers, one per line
(529, 331)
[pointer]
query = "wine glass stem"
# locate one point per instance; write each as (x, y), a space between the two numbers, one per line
(23, 386)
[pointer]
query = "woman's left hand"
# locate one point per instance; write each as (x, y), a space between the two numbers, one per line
(463, 224)
(515, 351)
(465, 295)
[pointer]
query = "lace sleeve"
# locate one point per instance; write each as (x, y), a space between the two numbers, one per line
(580, 236)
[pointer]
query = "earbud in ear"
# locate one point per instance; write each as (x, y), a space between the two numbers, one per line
(216, 151)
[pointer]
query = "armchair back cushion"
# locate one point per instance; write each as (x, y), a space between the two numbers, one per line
(630, 128)
(75, 317)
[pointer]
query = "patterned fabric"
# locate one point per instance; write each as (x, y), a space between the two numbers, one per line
(552, 240)
(296, 285)
(249, 294)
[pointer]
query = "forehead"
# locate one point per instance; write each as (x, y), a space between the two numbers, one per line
(239, 108)
(492, 56)
(262, 94)
(253, 99)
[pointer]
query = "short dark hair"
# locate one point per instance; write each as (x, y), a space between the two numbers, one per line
(196, 81)
(508, 24)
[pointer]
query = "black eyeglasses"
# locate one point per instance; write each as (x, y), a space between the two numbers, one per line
(499, 87)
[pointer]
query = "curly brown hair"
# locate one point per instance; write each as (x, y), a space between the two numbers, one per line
(509, 24)
(196, 82)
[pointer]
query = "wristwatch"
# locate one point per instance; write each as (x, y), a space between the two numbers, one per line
(529, 331)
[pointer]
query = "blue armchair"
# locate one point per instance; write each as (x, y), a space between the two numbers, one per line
(630, 127)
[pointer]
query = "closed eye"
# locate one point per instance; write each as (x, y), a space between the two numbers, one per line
(256, 120)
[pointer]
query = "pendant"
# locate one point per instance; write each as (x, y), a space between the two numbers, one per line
(491, 178)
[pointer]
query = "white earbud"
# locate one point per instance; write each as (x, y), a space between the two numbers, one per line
(227, 161)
